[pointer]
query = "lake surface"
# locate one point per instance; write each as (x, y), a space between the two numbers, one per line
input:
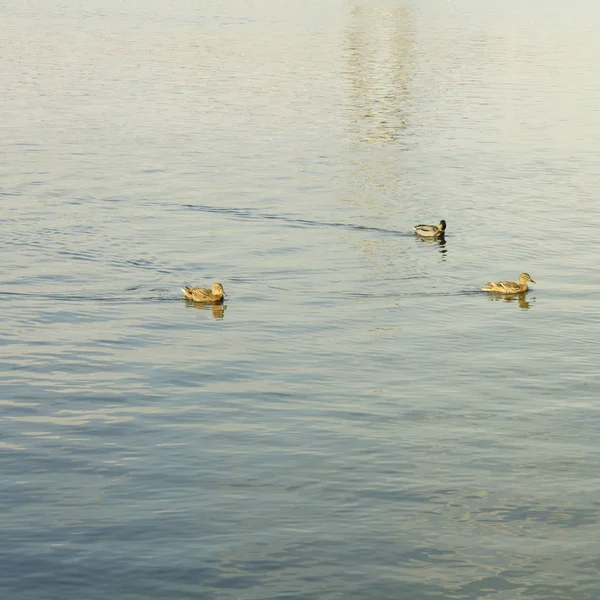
(358, 420)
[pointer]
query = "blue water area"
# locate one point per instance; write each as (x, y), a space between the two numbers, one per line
(358, 420)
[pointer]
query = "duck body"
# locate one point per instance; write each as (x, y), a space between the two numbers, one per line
(200, 294)
(509, 287)
(431, 231)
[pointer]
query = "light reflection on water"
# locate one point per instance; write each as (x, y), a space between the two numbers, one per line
(358, 420)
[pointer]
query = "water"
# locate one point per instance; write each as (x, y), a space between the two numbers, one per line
(358, 420)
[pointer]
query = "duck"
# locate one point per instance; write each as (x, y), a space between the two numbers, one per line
(433, 231)
(199, 294)
(509, 287)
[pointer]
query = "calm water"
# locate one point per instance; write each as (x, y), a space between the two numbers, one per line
(358, 420)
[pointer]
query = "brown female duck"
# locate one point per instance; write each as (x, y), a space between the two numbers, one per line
(509, 287)
(199, 294)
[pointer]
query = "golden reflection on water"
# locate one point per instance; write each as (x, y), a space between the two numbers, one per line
(9, 446)
(378, 76)
(17, 403)
(379, 72)
(378, 43)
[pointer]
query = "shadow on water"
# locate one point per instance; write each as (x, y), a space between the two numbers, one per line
(245, 213)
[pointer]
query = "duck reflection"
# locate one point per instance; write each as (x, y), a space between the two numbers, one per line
(218, 308)
(439, 242)
(520, 298)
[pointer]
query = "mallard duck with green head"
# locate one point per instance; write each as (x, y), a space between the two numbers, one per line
(200, 294)
(431, 231)
(509, 287)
